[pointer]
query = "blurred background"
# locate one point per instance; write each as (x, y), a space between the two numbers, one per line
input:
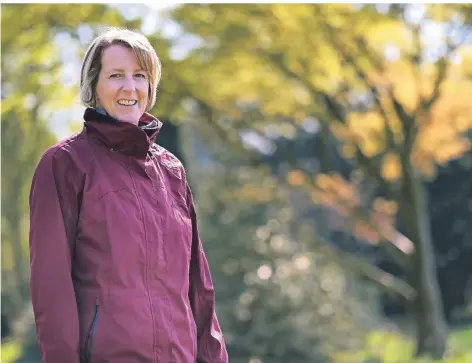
(328, 147)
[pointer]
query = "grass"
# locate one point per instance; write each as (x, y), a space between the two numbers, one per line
(11, 351)
(391, 347)
(380, 347)
(462, 340)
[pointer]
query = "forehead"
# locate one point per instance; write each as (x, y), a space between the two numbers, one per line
(119, 56)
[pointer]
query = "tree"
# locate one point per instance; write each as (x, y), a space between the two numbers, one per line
(387, 111)
(32, 90)
(280, 295)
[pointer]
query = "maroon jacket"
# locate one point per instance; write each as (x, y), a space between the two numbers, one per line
(118, 273)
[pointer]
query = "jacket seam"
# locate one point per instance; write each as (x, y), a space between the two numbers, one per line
(111, 191)
(172, 329)
(147, 267)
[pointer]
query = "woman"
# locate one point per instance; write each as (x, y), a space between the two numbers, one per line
(118, 273)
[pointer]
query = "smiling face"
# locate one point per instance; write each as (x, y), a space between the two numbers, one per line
(122, 87)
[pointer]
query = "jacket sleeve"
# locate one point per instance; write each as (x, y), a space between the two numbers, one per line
(210, 341)
(53, 220)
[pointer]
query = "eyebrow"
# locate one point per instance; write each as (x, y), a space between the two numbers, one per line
(122, 70)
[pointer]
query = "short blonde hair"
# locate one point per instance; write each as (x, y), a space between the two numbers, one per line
(91, 66)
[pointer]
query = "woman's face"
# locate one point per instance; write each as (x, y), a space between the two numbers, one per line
(122, 87)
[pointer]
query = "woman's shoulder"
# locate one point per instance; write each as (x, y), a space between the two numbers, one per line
(169, 161)
(70, 149)
(166, 157)
(70, 143)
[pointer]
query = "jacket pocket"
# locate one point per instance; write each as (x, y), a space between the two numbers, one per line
(90, 338)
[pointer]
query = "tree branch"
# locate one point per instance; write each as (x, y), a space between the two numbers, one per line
(416, 58)
(357, 214)
(384, 280)
(409, 126)
(371, 272)
(362, 75)
(364, 162)
(407, 120)
(336, 111)
(252, 158)
(442, 68)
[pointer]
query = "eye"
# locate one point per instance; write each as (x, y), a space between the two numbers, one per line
(115, 75)
(140, 75)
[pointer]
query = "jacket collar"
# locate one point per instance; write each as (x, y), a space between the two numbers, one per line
(124, 137)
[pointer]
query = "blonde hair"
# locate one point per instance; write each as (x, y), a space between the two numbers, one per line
(145, 55)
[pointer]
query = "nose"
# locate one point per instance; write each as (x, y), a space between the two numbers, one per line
(128, 84)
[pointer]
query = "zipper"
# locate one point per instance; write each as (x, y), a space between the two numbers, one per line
(90, 336)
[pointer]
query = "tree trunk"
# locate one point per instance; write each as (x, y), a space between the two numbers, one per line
(414, 216)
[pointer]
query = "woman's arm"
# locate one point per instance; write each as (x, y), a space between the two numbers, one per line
(210, 342)
(53, 222)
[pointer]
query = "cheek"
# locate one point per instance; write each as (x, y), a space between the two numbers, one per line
(106, 92)
(144, 91)
(99, 93)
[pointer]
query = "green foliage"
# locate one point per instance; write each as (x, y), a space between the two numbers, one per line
(462, 340)
(280, 295)
(393, 117)
(383, 346)
(329, 61)
(11, 351)
(32, 91)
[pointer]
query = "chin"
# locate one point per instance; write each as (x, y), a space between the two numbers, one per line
(130, 118)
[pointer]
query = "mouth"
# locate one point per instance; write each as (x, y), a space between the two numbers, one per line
(127, 102)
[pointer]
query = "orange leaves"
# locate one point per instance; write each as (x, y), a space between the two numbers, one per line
(382, 220)
(255, 193)
(366, 129)
(296, 178)
(440, 128)
(289, 68)
(386, 207)
(441, 136)
(379, 225)
(283, 64)
(375, 225)
(402, 78)
(335, 192)
(330, 190)
(391, 168)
